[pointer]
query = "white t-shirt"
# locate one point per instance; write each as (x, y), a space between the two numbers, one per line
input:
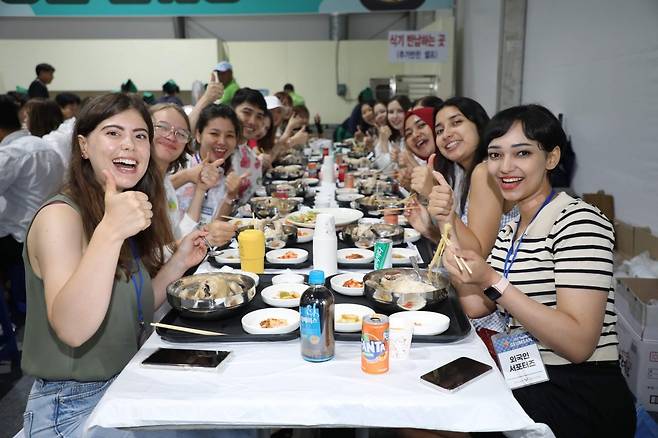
(213, 199)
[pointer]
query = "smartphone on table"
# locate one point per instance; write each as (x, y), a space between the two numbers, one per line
(185, 359)
(454, 375)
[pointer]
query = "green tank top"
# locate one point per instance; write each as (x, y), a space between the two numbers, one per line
(106, 353)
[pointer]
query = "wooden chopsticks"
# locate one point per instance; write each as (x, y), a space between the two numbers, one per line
(187, 329)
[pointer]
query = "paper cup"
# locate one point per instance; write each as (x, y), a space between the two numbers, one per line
(400, 334)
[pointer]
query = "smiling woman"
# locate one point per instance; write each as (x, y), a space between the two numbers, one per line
(89, 250)
(551, 271)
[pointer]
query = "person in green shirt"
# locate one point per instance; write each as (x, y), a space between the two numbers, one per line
(225, 72)
(297, 100)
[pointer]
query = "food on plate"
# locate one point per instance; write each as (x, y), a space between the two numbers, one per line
(354, 256)
(400, 284)
(307, 217)
(273, 323)
(288, 255)
(353, 283)
(286, 295)
(348, 318)
(209, 287)
(397, 255)
(303, 233)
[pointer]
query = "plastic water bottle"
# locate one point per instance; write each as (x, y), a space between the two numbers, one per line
(325, 244)
(316, 308)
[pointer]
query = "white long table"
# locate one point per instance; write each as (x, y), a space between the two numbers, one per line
(267, 385)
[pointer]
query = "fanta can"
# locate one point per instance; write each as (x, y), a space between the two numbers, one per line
(374, 344)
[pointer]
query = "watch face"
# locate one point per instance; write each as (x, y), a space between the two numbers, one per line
(492, 293)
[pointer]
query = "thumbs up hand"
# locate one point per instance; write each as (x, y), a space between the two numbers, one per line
(421, 178)
(210, 173)
(441, 201)
(126, 213)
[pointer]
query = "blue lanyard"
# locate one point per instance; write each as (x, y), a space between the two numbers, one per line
(138, 289)
(513, 250)
(197, 157)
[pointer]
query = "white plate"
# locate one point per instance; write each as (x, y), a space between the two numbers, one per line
(425, 323)
(405, 253)
(310, 181)
(251, 321)
(370, 220)
(411, 235)
(368, 256)
(305, 235)
(350, 309)
(228, 256)
(271, 294)
(344, 190)
(273, 256)
(241, 222)
(349, 197)
(342, 216)
(288, 277)
(338, 280)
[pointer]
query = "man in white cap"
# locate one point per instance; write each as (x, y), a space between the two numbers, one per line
(225, 72)
(275, 107)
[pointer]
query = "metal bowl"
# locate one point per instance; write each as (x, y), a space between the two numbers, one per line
(292, 171)
(267, 207)
(390, 302)
(290, 159)
(377, 202)
(291, 188)
(366, 187)
(179, 295)
(393, 232)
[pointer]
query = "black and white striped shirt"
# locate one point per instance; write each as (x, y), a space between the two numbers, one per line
(568, 245)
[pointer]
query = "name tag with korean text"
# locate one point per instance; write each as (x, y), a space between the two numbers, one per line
(519, 358)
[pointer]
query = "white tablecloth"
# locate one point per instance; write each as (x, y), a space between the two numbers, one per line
(270, 385)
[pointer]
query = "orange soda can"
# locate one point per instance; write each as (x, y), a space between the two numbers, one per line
(391, 216)
(349, 180)
(374, 344)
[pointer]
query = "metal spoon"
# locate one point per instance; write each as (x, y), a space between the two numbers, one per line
(414, 264)
(212, 252)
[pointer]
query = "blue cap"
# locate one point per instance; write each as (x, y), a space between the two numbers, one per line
(223, 66)
(316, 277)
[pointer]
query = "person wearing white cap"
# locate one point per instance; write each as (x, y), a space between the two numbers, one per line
(275, 107)
(224, 70)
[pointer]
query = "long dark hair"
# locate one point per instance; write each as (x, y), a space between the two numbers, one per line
(405, 103)
(88, 194)
(222, 111)
(474, 112)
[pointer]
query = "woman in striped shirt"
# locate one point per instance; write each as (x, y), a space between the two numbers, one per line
(551, 271)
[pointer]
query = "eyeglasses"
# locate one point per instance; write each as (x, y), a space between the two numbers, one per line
(164, 128)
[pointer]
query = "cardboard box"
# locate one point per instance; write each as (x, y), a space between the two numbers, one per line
(636, 303)
(632, 240)
(602, 201)
(636, 299)
(639, 364)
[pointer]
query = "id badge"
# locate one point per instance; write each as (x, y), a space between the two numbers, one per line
(519, 358)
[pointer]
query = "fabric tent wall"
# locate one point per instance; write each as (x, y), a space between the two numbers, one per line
(596, 61)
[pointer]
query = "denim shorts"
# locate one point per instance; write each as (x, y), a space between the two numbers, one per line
(60, 408)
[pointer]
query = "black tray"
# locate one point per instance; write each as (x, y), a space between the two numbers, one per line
(305, 264)
(423, 246)
(232, 326)
(458, 329)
